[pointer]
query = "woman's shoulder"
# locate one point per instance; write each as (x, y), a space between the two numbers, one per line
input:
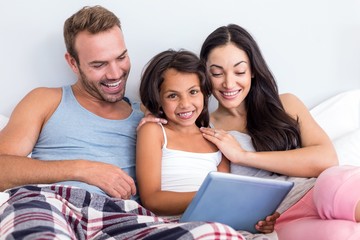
(287, 98)
(298, 110)
(291, 103)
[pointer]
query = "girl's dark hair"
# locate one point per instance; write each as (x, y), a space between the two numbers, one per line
(153, 76)
(270, 127)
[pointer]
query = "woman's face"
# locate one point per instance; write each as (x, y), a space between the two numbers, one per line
(230, 73)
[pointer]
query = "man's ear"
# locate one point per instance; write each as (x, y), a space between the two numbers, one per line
(72, 62)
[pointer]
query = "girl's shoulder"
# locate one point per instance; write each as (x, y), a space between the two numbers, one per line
(150, 132)
(150, 127)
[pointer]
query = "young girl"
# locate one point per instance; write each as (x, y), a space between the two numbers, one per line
(172, 160)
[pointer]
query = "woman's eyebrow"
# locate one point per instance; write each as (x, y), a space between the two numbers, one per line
(236, 64)
(218, 66)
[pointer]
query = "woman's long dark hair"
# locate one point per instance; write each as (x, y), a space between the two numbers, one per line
(270, 127)
(153, 76)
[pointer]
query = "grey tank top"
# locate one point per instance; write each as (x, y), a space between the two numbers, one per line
(73, 132)
(301, 185)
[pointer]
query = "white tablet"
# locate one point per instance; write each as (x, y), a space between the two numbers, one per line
(235, 200)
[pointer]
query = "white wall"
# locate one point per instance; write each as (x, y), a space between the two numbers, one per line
(312, 47)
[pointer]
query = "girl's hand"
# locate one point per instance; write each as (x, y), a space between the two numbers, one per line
(268, 225)
(226, 143)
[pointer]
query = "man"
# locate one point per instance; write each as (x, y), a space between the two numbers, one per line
(82, 144)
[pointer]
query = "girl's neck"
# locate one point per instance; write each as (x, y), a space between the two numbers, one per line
(187, 138)
(180, 129)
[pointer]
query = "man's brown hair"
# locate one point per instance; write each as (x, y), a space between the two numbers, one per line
(92, 19)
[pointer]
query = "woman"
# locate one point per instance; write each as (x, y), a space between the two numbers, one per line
(265, 134)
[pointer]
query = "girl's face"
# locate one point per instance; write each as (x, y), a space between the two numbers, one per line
(230, 73)
(181, 98)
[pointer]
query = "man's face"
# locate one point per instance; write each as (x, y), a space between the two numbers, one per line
(104, 64)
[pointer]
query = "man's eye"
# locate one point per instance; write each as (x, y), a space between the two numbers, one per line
(122, 57)
(98, 65)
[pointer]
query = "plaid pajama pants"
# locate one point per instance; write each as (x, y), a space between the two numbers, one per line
(61, 212)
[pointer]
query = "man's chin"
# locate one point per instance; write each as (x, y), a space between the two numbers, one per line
(114, 100)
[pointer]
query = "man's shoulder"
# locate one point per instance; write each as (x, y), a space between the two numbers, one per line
(45, 92)
(135, 105)
(42, 101)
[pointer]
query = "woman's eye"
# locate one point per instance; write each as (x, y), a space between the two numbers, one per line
(193, 92)
(216, 74)
(240, 73)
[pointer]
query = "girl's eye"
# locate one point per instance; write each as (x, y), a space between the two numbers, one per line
(172, 96)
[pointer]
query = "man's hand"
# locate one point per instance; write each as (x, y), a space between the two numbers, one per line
(111, 179)
(268, 225)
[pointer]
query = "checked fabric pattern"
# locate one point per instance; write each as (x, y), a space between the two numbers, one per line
(61, 212)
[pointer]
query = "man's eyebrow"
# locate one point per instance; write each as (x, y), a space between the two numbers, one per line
(100, 61)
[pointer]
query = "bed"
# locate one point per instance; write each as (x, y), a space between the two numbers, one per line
(339, 116)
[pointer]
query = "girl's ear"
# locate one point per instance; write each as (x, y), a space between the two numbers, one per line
(161, 112)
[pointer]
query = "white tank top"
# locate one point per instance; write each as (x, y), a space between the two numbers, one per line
(183, 171)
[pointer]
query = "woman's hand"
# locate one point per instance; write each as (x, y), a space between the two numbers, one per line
(268, 225)
(226, 143)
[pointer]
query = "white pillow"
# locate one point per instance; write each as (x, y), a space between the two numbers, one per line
(3, 121)
(339, 114)
(348, 148)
